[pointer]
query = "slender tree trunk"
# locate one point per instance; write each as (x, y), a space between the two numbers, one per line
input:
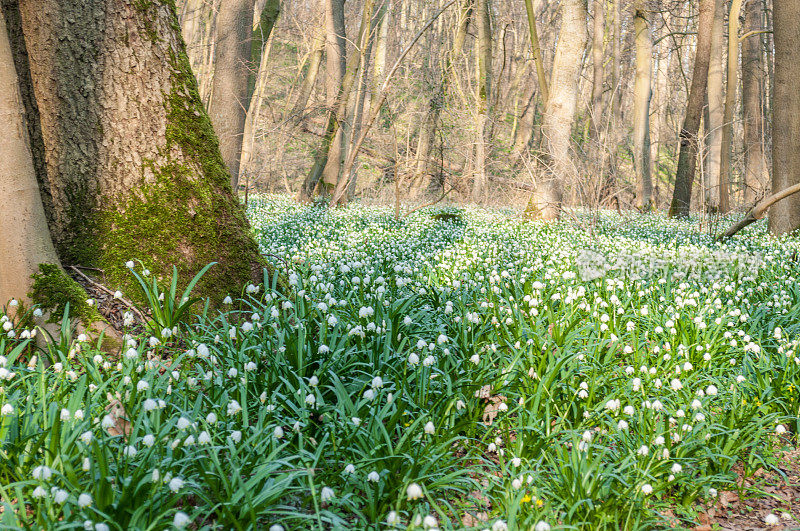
(598, 36)
(362, 89)
(526, 125)
(208, 51)
(435, 80)
(300, 108)
(480, 187)
(25, 241)
(784, 216)
(755, 164)
(730, 103)
(381, 42)
(260, 52)
(559, 113)
(335, 53)
(332, 136)
(229, 97)
(430, 122)
(616, 62)
(132, 162)
(642, 94)
(191, 17)
(687, 156)
(715, 110)
(536, 48)
(254, 111)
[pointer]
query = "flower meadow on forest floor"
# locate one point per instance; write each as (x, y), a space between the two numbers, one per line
(472, 371)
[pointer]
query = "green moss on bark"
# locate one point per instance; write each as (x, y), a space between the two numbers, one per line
(181, 217)
(53, 289)
(182, 211)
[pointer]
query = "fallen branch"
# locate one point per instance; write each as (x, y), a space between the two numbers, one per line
(104, 289)
(429, 204)
(760, 210)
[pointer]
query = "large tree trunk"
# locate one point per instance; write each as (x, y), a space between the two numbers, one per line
(687, 156)
(730, 102)
(756, 175)
(133, 166)
(229, 97)
(784, 217)
(560, 111)
(714, 112)
(25, 241)
(480, 187)
(642, 94)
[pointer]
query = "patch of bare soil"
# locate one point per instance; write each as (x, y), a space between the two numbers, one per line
(770, 500)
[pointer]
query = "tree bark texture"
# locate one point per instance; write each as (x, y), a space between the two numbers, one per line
(730, 102)
(24, 237)
(335, 54)
(715, 110)
(598, 36)
(559, 113)
(480, 187)
(642, 94)
(229, 96)
(133, 166)
(784, 216)
(756, 173)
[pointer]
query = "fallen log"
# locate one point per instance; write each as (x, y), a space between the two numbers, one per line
(759, 210)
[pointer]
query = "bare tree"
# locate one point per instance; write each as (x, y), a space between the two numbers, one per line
(229, 98)
(756, 173)
(560, 111)
(687, 156)
(642, 94)
(483, 139)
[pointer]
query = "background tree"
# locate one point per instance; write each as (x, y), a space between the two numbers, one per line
(687, 156)
(784, 217)
(756, 172)
(641, 112)
(560, 110)
(232, 73)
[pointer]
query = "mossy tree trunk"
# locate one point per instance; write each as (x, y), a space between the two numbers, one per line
(132, 167)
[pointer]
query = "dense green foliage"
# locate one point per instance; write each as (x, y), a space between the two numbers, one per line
(420, 370)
